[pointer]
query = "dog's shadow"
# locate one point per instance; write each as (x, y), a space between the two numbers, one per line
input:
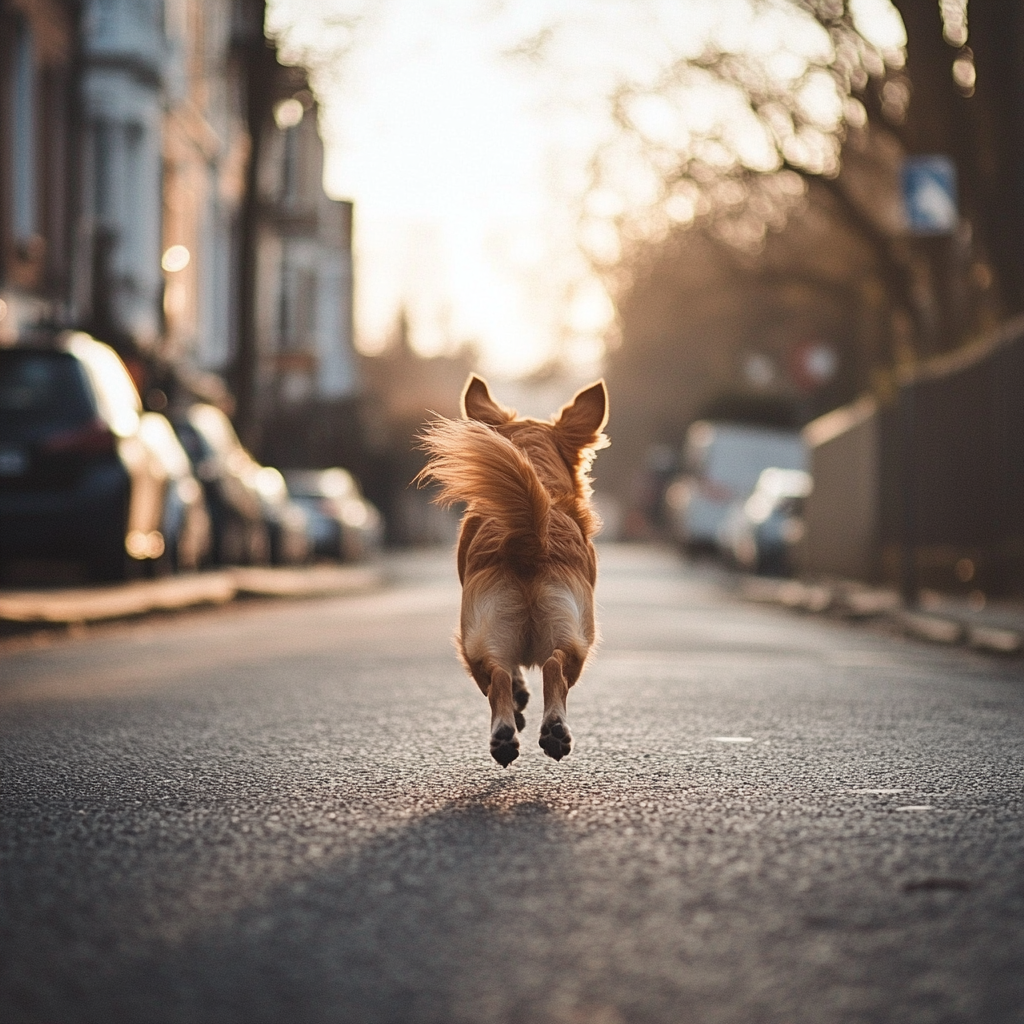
(421, 924)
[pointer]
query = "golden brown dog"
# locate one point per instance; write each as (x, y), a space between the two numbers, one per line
(525, 557)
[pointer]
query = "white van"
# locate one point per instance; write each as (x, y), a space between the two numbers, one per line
(722, 464)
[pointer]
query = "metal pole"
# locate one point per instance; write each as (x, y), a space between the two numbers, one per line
(908, 487)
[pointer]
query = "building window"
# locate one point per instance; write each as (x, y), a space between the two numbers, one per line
(298, 310)
(103, 173)
(25, 214)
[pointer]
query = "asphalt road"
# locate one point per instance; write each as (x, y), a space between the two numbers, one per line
(287, 812)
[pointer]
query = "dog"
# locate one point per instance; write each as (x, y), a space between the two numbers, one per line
(526, 559)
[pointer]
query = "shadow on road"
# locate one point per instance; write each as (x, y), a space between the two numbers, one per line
(424, 923)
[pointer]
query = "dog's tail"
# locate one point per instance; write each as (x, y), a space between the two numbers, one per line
(476, 465)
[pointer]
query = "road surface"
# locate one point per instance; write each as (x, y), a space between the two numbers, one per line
(287, 811)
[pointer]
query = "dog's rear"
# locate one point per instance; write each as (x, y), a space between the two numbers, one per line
(525, 556)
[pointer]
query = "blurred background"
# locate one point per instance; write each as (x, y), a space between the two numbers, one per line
(790, 234)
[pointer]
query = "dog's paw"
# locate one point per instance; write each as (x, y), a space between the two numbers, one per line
(504, 745)
(555, 738)
(520, 721)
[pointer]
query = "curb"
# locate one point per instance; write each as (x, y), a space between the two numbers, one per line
(856, 601)
(315, 581)
(991, 638)
(27, 608)
(936, 628)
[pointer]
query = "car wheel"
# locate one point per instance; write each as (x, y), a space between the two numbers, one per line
(276, 545)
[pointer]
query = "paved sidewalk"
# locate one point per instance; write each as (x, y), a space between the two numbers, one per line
(996, 627)
(142, 597)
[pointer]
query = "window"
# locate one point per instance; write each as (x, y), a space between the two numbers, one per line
(297, 312)
(24, 213)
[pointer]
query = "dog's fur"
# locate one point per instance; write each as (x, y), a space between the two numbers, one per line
(525, 557)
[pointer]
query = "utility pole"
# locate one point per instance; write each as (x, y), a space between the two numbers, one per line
(258, 58)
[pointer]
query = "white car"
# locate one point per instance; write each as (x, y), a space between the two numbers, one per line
(723, 462)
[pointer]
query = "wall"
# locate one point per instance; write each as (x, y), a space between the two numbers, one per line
(842, 512)
(927, 490)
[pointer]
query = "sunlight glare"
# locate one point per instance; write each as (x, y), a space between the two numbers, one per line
(465, 130)
(880, 23)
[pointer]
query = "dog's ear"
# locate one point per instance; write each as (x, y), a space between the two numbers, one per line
(477, 403)
(580, 422)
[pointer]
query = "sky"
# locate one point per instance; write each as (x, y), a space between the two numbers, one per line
(463, 130)
(446, 161)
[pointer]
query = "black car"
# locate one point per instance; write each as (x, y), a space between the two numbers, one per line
(288, 525)
(230, 479)
(186, 521)
(78, 483)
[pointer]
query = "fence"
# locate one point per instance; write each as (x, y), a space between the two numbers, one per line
(927, 490)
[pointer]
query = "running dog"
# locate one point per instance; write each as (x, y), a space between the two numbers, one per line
(525, 557)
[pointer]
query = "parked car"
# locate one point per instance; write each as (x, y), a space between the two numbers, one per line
(79, 481)
(228, 474)
(288, 523)
(185, 523)
(759, 534)
(722, 463)
(343, 523)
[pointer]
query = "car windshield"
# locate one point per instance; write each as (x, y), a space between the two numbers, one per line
(42, 387)
(215, 429)
(159, 437)
(735, 456)
(113, 386)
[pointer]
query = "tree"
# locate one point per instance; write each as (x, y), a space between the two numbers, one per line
(968, 101)
(738, 146)
(812, 110)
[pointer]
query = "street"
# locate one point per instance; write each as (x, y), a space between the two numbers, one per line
(287, 811)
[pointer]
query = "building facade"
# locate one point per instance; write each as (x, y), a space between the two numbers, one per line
(205, 150)
(38, 61)
(119, 171)
(161, 187)
(305, 378)
(304, 251)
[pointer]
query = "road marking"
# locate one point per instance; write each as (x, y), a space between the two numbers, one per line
(732, 739)
(916, 807)
(875, 792)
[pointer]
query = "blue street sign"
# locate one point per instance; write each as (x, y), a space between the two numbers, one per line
(929, 194)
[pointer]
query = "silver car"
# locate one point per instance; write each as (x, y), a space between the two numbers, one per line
(342, 523)
(759, 534)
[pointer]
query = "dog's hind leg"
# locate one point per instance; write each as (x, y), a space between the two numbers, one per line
(563, 634)
(491, 644)
(520, 696)
(504, 742)
(561, 670)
